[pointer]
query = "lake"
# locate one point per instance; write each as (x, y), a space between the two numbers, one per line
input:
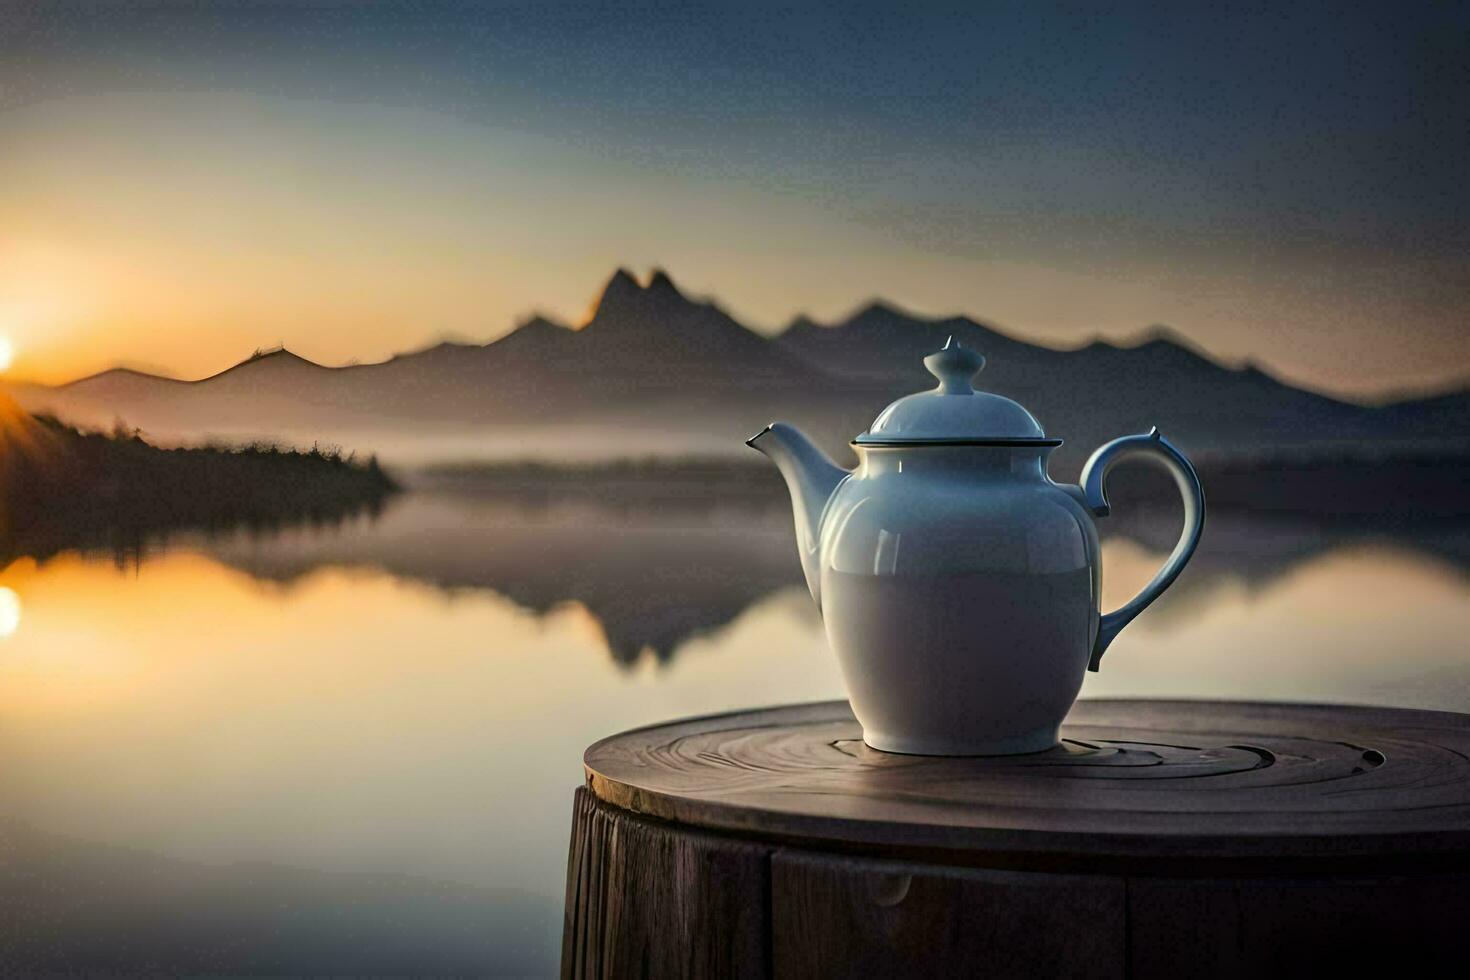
(352, 747)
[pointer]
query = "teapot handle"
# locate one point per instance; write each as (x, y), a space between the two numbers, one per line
(1094, 475)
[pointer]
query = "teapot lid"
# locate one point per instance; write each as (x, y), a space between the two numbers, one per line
(954, 413)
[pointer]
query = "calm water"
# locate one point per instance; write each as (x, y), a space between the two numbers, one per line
(354, 748)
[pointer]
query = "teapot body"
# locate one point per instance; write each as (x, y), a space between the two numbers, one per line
(959, 585)
(959, 592)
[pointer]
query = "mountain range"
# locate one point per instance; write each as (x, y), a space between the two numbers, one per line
(657, 372)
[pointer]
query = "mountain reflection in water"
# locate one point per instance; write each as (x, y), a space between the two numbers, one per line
(333, 748)
(651, 578)
(654, 574)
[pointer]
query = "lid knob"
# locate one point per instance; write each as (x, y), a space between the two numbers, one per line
(954, 366)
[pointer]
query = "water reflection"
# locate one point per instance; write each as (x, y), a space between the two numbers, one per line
(653, 577)
(351, 748)
(132, 538)
(355, 724)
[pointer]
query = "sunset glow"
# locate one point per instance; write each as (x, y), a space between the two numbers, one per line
(9, 612)
(455, 175)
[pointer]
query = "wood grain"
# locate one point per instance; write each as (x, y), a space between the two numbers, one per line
(860, 918)
(645, 900)
(1153, 787)
(1161, 839)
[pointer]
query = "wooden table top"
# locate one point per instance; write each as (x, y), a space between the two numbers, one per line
(1134, 783)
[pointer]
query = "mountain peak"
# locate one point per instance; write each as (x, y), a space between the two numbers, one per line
(1159, 335)
(540, 324)
(802, 321)
(621, 288)
(1164, 341)
(277, 357)
(277, 353)
(623, 294)
(120, 372)
(534, 329)
(876, 308)
(659, 283)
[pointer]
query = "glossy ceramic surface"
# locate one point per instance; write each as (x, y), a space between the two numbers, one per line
(958, 583)
(958, 587)
(939, 416)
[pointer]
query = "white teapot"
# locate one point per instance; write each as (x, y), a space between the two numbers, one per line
(958, 584)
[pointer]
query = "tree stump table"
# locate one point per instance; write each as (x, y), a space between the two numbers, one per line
(1160, 839)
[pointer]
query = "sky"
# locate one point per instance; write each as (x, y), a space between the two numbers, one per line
(181, 184)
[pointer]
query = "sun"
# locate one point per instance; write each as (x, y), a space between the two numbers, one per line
(9, 611)
(7, 353)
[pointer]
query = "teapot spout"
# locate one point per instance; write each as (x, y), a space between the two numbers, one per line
(810, 477)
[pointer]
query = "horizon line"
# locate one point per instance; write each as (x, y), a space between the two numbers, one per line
(1152, 333)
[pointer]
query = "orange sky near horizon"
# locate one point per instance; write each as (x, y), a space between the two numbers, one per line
(179, 232)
